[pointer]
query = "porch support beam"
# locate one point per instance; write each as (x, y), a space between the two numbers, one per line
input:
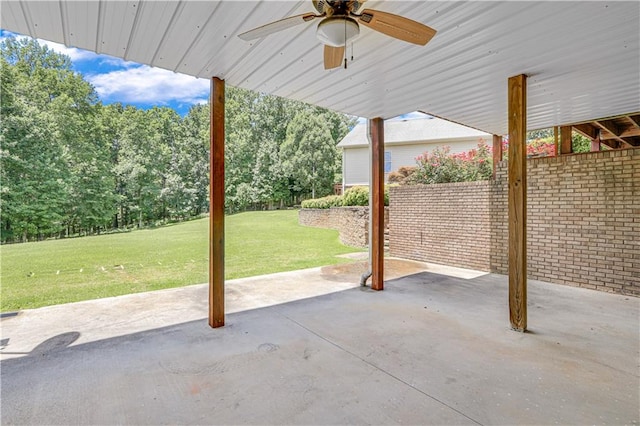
(517, 89)
(565, 140)
(216, 205)
(377, 202)
(497, 152)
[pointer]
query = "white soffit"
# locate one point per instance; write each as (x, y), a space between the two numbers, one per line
(582, 58)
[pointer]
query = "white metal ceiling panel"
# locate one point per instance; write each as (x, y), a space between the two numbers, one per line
(582, 58)
(45, 19)
(150, 29)
(186, 26)
(115, 26)
(12, 16)
(81, 21)
(217, 46)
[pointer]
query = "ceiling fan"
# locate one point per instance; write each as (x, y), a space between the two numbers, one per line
(340, 25)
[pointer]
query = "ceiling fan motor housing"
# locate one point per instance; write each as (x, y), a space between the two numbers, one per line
(336, 7)
(337, 31)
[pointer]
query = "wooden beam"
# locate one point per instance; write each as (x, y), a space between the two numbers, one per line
(497, 152)
(216, 205)
(517, 89)
(587, 130)
(566, 146)
(595, 144)
(377, 224)
(555, 140)
(614, 131)
(634, 120)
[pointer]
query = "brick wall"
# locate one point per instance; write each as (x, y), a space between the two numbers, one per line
(583, 225)
(446, 223)
(351, 222)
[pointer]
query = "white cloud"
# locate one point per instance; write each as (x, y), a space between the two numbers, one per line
(75, 54)
(144, 84)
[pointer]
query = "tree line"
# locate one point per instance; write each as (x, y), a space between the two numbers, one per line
(71, 165)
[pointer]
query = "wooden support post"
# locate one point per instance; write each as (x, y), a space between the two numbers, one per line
(377, 201)
(595, 144)
(497, 152)
(216, 205)
(555, 141)
(518, 202)
(565, 140)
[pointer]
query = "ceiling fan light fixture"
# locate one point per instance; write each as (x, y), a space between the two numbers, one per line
(337, 31)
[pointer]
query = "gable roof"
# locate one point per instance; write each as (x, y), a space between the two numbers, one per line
(417, 130)
(582, 57)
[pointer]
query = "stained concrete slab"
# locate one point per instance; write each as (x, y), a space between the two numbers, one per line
(430, 349)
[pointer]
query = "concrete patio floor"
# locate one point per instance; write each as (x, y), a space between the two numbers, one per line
(433, 348)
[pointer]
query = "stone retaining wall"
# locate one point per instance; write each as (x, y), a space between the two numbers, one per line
(351, 222)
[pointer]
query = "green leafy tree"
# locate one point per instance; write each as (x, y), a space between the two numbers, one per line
(309, 154)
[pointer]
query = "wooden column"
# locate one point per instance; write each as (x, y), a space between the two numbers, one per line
(595, 144)
(216, 205)
(565, 140)
(555, 141)
(497, 152)
(377, 200)
(518, 202)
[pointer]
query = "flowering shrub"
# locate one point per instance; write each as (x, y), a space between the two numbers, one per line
(539, 147)
(440, 166)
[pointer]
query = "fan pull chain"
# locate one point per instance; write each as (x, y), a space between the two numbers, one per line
(345, 44)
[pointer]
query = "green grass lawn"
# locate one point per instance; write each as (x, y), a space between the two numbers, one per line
(61, 271)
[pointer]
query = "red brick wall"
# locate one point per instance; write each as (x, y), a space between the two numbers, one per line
(583, 221)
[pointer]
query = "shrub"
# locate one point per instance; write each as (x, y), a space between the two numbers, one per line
(401, 176)
(359, 196)
(440, 166)
(323, 203)
(354, 196)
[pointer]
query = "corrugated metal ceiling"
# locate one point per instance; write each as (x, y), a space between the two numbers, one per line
(582, 58)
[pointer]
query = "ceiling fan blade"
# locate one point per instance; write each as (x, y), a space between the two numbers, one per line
(396, 26)
(276, 26)
(333, 56)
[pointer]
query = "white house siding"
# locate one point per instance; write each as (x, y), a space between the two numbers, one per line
(356, 159)
(355, 163)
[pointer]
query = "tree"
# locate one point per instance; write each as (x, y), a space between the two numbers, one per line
(309, 154)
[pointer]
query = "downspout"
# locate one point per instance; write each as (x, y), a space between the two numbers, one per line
(364, 277)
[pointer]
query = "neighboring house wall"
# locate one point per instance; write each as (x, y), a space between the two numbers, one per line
(583, 221)
(355, 160)
(355, 166)
(404, 140)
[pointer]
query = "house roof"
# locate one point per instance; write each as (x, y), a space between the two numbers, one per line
(417, 130)
(582, 58)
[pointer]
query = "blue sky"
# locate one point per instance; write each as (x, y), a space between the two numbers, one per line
(117, 80)
(131, 83)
